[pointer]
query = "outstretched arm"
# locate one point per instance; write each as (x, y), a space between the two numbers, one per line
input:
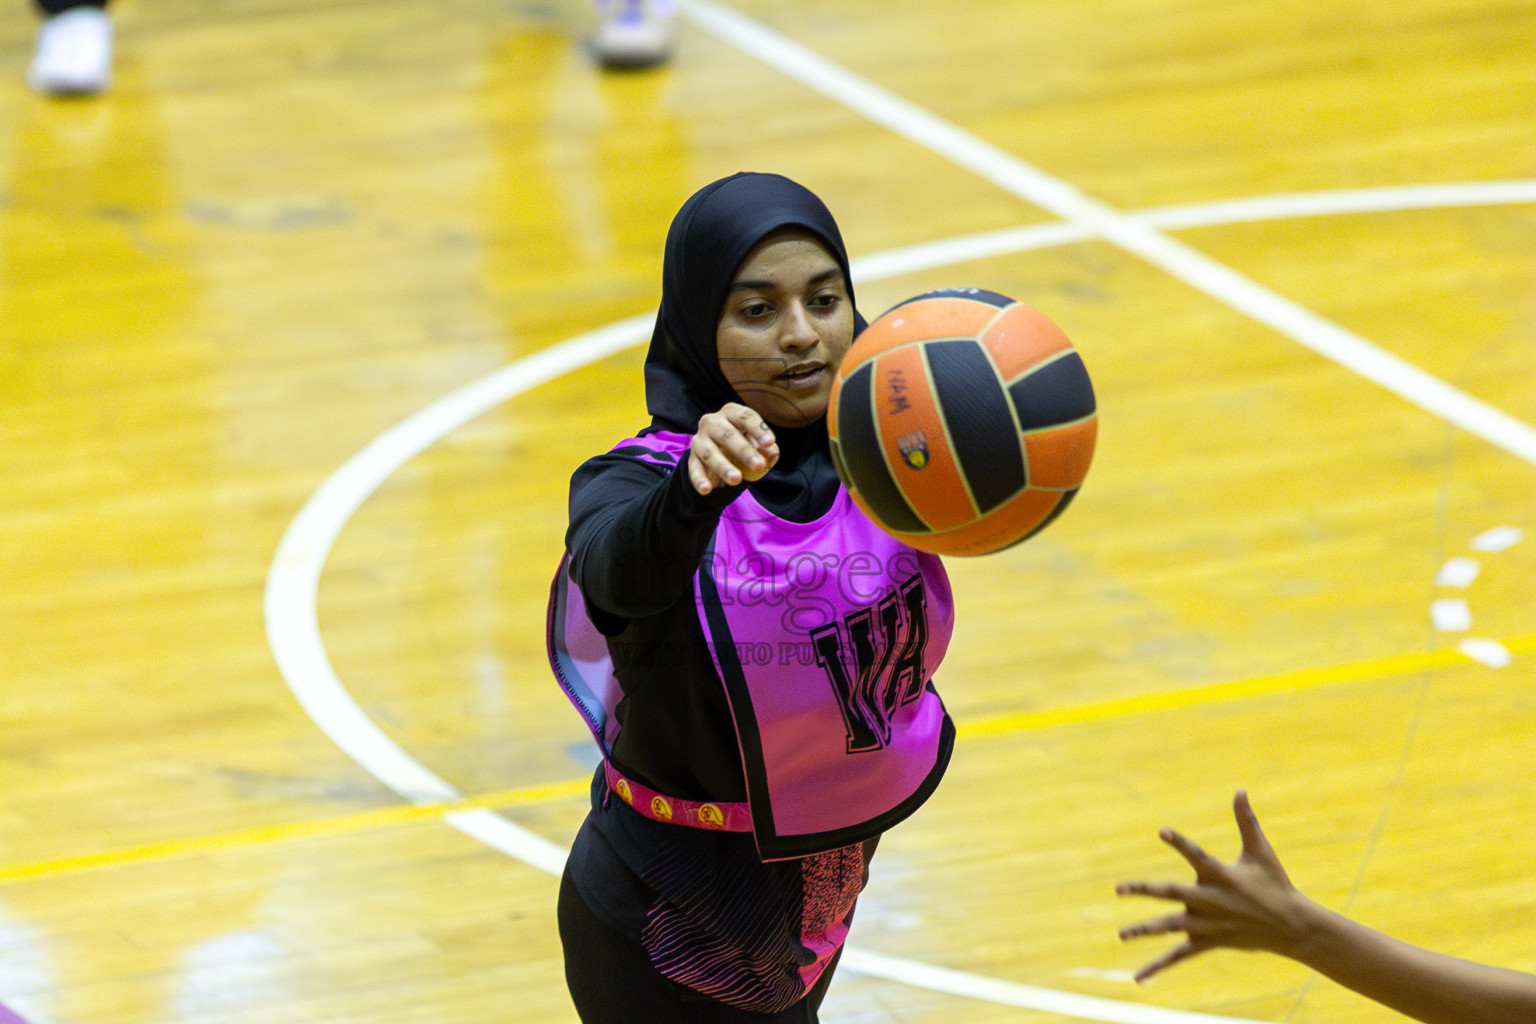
(1251, 904)
(637, 532)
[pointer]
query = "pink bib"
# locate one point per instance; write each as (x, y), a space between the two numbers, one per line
(825, 636)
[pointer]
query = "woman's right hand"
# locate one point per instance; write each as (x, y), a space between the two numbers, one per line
(730, 446)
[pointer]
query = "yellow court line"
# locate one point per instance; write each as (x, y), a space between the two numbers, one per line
(1241, 689)
(385, 817)
(363, 821)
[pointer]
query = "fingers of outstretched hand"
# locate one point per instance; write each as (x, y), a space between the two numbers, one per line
(1208, 909)
(712, 463)
(1255, 843)
(1195, 927)
(752, 424)
(1157, 890)
(1181, 952)
(1157, 926)
(730, 446)
(1204, 864)
(699, 475)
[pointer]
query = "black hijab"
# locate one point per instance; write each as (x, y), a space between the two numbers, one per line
(710, 237)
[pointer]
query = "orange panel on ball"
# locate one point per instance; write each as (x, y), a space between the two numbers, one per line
(1005, 526)
(1021, 339)
(1059, 457)
(923, 321)
(915, 443)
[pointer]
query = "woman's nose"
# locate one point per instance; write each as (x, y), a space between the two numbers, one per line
(799, 331)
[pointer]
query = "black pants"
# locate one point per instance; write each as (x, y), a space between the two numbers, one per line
(613, 982)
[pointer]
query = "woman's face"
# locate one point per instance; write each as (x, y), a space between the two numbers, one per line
(786, 324)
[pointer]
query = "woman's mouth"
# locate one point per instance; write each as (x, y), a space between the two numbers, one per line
(803, 376)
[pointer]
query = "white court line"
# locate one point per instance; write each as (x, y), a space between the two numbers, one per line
(1008, 993)
(293, 581)
(1134, 235)
(1455, 615)
(1343, 201)
(294, 578)
(1006, 241)
(294, 635)
(1489, 652)
(1500, 538)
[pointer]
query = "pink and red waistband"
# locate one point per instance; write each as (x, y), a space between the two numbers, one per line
(714, 816)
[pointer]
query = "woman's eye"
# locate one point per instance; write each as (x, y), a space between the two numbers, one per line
(755, 310)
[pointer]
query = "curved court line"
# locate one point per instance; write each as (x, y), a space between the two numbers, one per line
(1007, 241)
(290, 600)
(1134, 235)
(293, 583)
(395, 815)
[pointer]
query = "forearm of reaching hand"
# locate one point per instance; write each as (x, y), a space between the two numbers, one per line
(1427, 986)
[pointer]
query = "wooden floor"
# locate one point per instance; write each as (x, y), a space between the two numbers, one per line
(277, 739)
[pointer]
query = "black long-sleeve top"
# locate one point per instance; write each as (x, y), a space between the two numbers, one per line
(638, 532)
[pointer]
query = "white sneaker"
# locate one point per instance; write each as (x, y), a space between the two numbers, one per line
(74, 53)
(635, 33)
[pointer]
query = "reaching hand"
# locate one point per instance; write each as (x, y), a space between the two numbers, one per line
(1249, 904)
(730, 446)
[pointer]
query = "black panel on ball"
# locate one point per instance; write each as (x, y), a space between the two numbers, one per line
(980, 421)
(1058, 392)
(862, 457)
(974, 294)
